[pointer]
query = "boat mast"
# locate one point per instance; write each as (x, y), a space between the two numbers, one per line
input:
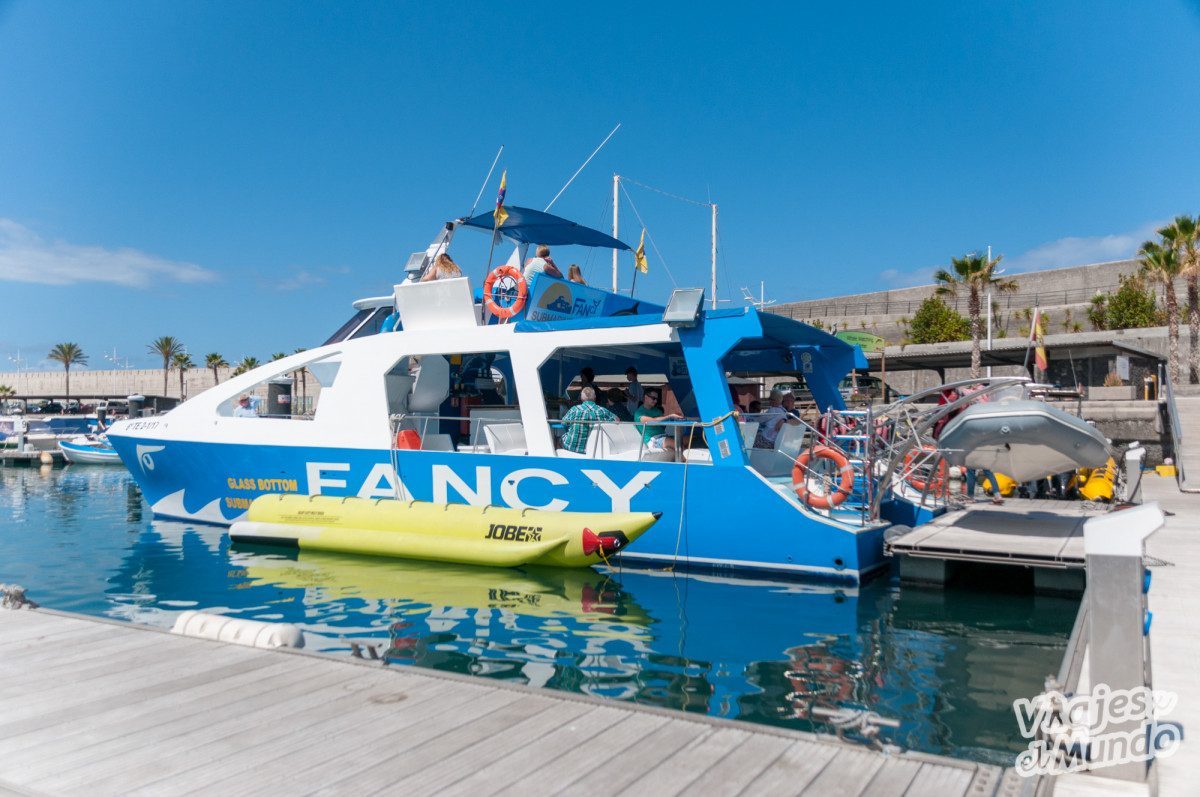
(714, 254)
(616, 186)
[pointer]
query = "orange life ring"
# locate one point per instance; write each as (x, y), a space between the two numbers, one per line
(522, 288)
(938, 480)
(845, 478)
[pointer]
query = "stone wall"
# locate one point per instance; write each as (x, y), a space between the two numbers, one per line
(1056, 292)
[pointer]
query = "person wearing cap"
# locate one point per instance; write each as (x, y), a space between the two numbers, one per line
(243, 408)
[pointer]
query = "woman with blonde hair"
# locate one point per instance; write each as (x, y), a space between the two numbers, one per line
(443, 268)
(575, 275)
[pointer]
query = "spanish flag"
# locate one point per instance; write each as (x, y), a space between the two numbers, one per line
(500, 214)
(1039, 337)
(639, 255)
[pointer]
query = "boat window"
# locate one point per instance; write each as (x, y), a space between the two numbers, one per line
(452, 401)
(292, 394)
(661, 370)
(362, 324)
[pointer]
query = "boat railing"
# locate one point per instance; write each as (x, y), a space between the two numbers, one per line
(1164, 379)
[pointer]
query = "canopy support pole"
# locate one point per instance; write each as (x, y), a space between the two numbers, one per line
(714, 256)
(616, 208)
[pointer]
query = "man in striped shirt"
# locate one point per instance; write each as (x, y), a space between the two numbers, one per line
(580, 419)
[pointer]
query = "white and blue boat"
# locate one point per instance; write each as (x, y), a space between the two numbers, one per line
(89, 450)
(438, 394)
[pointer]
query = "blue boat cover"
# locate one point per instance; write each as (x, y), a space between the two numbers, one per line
(527, 226)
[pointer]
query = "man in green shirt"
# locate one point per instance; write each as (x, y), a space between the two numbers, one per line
(654, 436)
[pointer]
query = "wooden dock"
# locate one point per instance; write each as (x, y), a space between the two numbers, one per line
(10, 456)
(95, 707)
(1042, 534)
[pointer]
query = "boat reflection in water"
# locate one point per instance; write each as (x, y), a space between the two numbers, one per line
(759, 651)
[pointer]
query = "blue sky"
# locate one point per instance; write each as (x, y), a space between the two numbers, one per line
(235, 174)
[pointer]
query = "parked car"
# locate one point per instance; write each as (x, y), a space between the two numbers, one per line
(865, 387)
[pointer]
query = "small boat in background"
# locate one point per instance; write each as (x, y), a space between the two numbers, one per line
(89, 451)
(1023, 439)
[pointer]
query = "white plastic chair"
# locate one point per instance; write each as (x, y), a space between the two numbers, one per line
(506, 438)
(615, 441)
(437, 442)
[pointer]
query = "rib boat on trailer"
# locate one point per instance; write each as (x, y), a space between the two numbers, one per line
(438, 393)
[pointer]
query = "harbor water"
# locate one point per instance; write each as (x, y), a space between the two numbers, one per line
(946, 663)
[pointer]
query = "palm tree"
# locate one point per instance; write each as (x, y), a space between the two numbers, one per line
(278, 356)
(68, 354)
(975, 273)
(215, 361)
(166, 347)
(247, 364)
(182, 362)
(6, 391)
(1183, 235)
(1159, 264)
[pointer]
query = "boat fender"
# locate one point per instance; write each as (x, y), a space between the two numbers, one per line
(489, 300)
(252, 633)
(845, 478)
(408, 440)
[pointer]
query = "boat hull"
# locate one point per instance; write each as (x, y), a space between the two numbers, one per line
(85, 454)
(720, 519)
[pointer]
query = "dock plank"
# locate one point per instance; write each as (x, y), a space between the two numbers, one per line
(688, 764)
(564, 743)
(935, 781)
(791, 773)
(632, 729)
(893, 778)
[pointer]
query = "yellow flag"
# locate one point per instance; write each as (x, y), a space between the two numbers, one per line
(500, 214)
(639, 255)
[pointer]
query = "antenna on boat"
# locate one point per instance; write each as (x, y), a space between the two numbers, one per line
(762, 301)
(486, 180)
(581, 168)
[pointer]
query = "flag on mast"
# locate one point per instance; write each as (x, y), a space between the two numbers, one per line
(1039, 338)
(500, 214)
(639, 255)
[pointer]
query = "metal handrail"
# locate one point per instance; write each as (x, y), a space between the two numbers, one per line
(1164, 379)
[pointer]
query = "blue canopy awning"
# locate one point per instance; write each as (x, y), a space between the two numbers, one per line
(527, 226)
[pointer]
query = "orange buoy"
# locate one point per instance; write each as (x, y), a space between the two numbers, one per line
(845, 477)
(518, 283)
(938, 480)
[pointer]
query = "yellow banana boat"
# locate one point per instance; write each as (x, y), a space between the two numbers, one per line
(459, 533)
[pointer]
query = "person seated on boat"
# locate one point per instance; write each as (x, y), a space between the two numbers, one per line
(243, 408)
(616, 404)
(755, 407)
(632, 392)
(774, 417)
(580, 419)
(542, 264)
(575, 275)
(947, 396)
(443, 268)
(587, 378)
(655, 437)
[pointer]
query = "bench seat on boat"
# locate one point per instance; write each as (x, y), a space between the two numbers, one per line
(506, 438)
